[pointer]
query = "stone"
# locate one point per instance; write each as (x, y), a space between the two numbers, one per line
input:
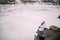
(53, 33)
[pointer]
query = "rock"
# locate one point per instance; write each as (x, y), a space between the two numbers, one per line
(53, 33)
(7, 1)
(59, 17)
(53, 27)
(50, 35)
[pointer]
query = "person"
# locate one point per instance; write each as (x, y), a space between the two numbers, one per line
(40, 31)
(41, 27)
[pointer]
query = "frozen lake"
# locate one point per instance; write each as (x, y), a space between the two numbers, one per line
(19, 22)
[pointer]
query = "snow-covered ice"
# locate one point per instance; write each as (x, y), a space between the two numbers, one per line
(19, 22)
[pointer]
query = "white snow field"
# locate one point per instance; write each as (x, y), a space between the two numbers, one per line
(20, 22)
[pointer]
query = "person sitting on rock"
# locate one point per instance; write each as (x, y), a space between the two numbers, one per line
(40, 31)
(41, 27)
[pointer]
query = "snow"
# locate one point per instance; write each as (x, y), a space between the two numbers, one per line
(20, 22)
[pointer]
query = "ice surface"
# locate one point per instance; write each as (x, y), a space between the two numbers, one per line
(19, 22)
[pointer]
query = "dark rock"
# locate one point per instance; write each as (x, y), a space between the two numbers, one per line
(7, 1)
(54, 2)
(59, 16)
(53, 33)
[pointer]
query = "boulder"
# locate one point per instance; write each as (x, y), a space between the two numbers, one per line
(53, 33)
